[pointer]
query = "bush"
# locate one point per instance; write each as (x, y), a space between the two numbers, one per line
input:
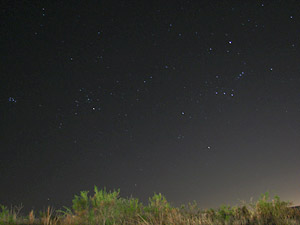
(109, 208)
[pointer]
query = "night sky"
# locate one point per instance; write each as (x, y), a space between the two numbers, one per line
(198, 100)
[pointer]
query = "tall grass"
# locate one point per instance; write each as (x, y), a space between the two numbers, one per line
(108, 208)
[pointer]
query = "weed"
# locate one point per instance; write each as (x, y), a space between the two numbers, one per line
(109, 208)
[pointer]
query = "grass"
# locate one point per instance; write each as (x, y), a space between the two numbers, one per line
(107, 207)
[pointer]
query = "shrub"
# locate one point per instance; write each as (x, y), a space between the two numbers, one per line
(109, 208)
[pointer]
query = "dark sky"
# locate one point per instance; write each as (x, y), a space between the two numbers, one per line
(198, 100)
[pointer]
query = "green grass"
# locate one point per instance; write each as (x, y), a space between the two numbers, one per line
(107, 207)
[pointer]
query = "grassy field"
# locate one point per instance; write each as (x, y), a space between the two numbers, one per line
(105, 207)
